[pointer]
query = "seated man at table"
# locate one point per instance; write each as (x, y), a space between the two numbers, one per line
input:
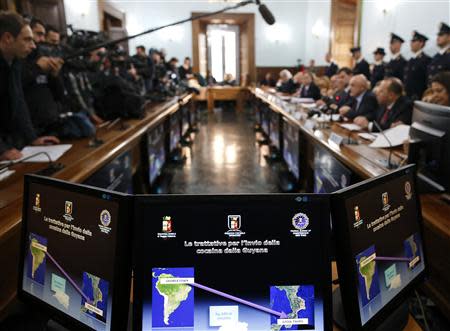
(308, 89)
(363, 100)
(16, 130)
(394, 107)
(285, 83)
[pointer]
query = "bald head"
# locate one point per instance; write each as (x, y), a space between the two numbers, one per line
(358, 85)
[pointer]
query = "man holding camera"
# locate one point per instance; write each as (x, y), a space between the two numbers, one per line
(42, 84)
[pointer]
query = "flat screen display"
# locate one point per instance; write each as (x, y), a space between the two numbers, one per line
(69, 248)
(233, 263)
(175, 130)
(275, 130)
(185, 120)
(156, 152)
(291, 147)
(383, 222)
(265, 120)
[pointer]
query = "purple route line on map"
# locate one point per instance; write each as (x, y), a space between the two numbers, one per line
(68, 277)
(245, 302)
(387, 258)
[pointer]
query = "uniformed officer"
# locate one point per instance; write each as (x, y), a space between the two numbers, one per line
(415, 77)
(395, 67)
(361, 65)
(441, 61)
(378, 67)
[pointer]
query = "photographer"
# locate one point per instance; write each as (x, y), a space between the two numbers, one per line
(16, 130)
(143, 65)
(42, 84)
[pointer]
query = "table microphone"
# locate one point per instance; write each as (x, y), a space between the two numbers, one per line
(51, 169)
(265, 13)
(389, 164)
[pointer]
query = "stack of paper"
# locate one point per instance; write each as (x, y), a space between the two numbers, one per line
(351, 126)
(368, 136)
(397, 136)
(53, 151)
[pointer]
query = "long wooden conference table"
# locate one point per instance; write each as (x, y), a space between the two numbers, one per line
(364, 161)
(81, 161)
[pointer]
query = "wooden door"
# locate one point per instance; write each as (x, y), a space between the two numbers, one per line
(50, 11)
(344, 30)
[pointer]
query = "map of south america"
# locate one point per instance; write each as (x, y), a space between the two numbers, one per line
(37, 258)
(172, 304)
(369, 286)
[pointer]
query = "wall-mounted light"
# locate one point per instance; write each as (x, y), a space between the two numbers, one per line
(386, 6)
(319, 29)
(278, 32)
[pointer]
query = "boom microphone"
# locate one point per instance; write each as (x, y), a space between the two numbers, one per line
(266, 13)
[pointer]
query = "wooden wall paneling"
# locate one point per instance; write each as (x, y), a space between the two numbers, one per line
(8, 5)
(50, 11)
(344, 29)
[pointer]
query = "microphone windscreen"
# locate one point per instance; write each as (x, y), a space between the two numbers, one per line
(266, 14)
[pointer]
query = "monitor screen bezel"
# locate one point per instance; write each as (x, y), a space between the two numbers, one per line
(122, 268)
(345, 259)
(325, 229)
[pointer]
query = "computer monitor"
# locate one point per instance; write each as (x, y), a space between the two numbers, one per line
(275, 130)
(156, 152)
(116, 175)
(291, 147)
(380, 251)
(265, 120)
(232, 262)
(430, 135)
(330, 175)
(175, 131)
(75, 253)
(185, 120)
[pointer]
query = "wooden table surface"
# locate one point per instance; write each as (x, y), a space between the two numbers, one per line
(80, 162)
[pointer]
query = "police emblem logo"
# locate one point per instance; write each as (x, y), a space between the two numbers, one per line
(68, 208)
(408, 190)
(385, 201)
(37, 203)
(300, 221)
(234, 222)
(105, 218)
(357, 214)
(167, 224)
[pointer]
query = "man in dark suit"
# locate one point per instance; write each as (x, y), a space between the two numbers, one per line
(363, 101)
(16, 130)
(441, 61)
(361, 65)
(415, 77)
(332, 67)
(394, 108)
(378, 66)
(342, 96)
(308, 89)
(395, 67)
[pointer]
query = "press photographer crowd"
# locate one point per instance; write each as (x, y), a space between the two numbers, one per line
(47, 94)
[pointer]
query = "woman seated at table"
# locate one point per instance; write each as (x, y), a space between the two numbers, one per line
(285, 83)
(439, 93)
